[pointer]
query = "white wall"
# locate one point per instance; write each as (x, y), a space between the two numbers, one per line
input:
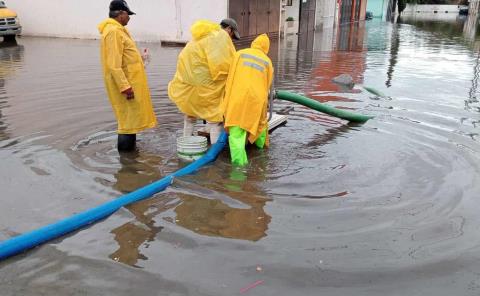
(156, 20)
(473, 7)
(293, 11)
(414, 8)
(325, 14)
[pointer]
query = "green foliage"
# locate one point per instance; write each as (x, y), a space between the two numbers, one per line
(290, 19)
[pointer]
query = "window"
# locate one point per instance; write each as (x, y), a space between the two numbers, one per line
(289, 2)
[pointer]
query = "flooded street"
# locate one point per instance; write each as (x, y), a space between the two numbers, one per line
(389, 207)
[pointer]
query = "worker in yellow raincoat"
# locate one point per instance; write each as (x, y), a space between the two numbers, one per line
(198, 86)
(125, 77)
(246, 99)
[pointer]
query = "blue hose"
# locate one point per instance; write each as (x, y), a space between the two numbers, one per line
(41, 235)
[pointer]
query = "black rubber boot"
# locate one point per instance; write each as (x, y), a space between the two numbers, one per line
(126, 142)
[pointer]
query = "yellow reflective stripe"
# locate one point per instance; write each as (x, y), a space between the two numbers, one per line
(255, 66)
(257, 59)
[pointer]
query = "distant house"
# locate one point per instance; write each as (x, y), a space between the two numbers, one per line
(382, 9)
(351, 11)
(309, 15)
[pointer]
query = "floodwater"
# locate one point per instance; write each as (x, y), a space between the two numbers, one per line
(389, 207)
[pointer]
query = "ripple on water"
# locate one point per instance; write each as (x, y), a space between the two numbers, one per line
(396, 194)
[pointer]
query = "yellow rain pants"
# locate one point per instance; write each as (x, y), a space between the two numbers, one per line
(123, 68)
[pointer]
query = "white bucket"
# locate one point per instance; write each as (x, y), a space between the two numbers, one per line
(191, 148)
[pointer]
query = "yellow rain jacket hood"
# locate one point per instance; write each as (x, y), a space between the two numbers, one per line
(198, 86)
(248, 84)
(262, 42)
(123, 68)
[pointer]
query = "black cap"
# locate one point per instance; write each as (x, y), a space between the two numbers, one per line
(229, 22)
(120, 5)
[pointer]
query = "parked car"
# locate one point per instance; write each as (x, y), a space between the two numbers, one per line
(463, 9)
(9, 24)
(368, 15)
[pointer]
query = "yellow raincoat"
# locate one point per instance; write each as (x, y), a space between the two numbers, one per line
(249, 80)
(198, 86)
(123, 68)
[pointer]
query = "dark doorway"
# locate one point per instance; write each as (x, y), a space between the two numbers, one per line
(255, 17)
(346, 12)
(238, 10)
(306, 29)
(307, 16)
(358, 4)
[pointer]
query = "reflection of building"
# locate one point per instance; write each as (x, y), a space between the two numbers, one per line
(473, 7)
(352, 11)
(133, 235)
(470, 28)
(394, 48)
(204, 216)
(11, 55)
(308, 15)
(214, 218)
(135, 173)
(453, 26)
(470, 32)
(348, 56)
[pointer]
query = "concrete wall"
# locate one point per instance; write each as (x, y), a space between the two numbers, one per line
(414, 8)
(325, 14)
(292, 11)
(473, 7)
(156, 20)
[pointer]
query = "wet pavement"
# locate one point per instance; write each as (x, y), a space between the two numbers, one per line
(389, 207)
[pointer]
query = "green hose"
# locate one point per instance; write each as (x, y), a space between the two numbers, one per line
(296, 98)
(374, 91)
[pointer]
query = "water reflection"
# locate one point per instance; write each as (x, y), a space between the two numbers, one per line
(11, 57)
(452, 28)
(347, 56)
(470, 27)
(473, 99)
(198, 208)
(402, 189)
(214, 217)
(446, 25)
(471, 32)
(321, 56)
(394, 47)
(137, 170)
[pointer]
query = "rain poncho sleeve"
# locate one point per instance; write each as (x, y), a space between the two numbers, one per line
(219, 60)
(113, 61)
(123, 68)
(249, 80)
(198, 86)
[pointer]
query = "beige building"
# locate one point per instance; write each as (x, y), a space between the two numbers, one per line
(308, 15)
